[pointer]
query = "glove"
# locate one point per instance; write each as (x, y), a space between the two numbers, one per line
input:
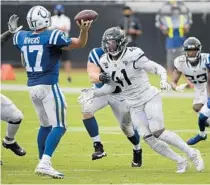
(105, 78)
(13, 24)
(164, 85)
(181, 87)
(86, 95)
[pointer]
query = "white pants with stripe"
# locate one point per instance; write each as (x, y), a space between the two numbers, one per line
(50, 105)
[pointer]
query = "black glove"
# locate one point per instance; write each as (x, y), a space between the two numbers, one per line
(105, 78)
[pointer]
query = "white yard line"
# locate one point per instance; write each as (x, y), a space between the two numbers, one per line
(14, 87)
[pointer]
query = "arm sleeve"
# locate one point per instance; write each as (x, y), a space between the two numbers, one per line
(151, 67)
(104, 90)
(5, 36)
(59, 39)
(93, 57)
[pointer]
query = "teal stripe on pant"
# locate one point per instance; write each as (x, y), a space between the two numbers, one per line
(57, 106)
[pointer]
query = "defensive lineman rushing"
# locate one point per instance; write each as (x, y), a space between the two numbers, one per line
(192, 65)
(41, 50)
(118, 107)
(9, 112)
(128, 67)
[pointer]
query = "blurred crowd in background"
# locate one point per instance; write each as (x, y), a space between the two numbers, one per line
(145, 26)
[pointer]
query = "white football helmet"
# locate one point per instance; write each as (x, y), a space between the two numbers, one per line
(38, 17)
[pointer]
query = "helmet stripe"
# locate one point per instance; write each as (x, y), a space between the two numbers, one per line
(31, 15)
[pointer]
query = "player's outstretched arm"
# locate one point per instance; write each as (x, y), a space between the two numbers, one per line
(81, 41)
(13, 28)
(151, 67)
(154, 68)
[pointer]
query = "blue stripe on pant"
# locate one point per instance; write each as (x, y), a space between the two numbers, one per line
(57, 106)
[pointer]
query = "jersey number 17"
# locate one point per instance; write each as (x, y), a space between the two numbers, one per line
(32, 48)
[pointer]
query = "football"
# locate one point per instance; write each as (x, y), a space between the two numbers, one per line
(86, 15)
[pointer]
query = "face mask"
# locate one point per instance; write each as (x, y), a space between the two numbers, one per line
(59, 13)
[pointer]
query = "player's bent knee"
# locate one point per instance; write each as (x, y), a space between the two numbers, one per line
(127, 130)
(158, 132)
(16, 117)
(197, 107)
(88, 115)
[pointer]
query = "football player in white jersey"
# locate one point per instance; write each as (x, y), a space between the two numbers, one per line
(128, 67)
(9, 112)
(118, 106)
(192, 65)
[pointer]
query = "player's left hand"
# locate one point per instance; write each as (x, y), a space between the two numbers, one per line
(84, 25)
(165, 86)
(13, 24)
(86, 95)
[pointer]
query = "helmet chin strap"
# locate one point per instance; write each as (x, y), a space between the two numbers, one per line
(194, 61)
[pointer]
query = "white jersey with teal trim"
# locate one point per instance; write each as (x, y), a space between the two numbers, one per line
(195, 74)
(129, 76)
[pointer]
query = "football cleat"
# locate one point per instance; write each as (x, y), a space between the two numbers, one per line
(182, 166)
(46, 169)
(99, 151)
(196, 139)
(14, 147)
(197, 161)
(137, 158)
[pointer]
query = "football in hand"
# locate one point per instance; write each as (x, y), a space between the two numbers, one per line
(86, 15)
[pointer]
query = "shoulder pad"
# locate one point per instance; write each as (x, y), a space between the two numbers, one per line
(135, 52)
(19, 37)
(179, 61)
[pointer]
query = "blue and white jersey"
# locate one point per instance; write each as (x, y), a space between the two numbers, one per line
(41, 52)
(94, 57)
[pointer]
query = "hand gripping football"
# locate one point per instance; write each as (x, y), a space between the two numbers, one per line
(86, 15)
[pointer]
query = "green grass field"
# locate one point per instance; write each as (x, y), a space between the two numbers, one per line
(73, 156)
